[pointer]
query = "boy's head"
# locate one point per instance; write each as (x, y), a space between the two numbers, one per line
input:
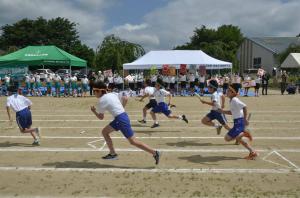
(232, 91)
(99, 88)
(212, 86)
(158, 84)
(147, 82)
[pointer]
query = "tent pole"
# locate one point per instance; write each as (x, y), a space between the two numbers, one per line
(123, 80)
(177, 80)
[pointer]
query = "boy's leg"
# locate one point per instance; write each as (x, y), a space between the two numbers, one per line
(105, 132)
(132, 140)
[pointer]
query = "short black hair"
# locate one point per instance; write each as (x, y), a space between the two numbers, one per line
(148, 82)
(160, 82)
(99, 85)
(213, 84)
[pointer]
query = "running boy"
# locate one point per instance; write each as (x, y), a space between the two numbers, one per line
(149, 91)
(21, 105)
(110, 102)
(238, 110)
(217, 102)
(162, 107)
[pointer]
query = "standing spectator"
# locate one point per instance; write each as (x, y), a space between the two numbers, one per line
(101, 76)
(153, 79)
(248, 80)
(191, 79)
(257, 85)
(32, 81)
(239, 81)
(265, 83)
(182, 80)
(201, 84)
(140, 81)
(120, 82)
(92, 79)
(49, 85)
(38, 85)
(172, 80)
(225, 84)
(27, 82)
(84, 84)
(283, 83)
(166, 81)
(57, 81)
(110, 79)
(67, 85)
(73, 80)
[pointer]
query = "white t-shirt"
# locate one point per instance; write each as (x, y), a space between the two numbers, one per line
(160, 95)
(57, 78)
(67, 80)
(7, 79)
(236, 108)
(110, 79)
(73, 79)
(110, 102)
(85, 81)
(172, 79)
(182, 78)
(258, 80)
(37, 78)
(153, 78)
(191, 78)
(18, 102)
(166, 79)
(202, 79)
(216, 97)
(27, 79)
(32, 79)
(150, 91)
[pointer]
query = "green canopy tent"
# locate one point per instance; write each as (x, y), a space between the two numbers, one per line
(40, 56)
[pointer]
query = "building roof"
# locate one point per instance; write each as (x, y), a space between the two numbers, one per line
(276, 44)
(292, 61)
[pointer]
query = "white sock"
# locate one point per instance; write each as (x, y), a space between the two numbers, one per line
(180, 117)
(216, 125)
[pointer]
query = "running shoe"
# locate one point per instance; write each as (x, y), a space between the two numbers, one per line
(219, 129)
(251, 156)
(36, 143)
(185, 119)
(154, 126)
(142, 121)
(156, 157)
(110, 157)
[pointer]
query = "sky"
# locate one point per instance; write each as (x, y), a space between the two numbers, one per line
(159, 24)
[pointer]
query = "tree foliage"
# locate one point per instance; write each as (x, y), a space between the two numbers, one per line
(58, 31)
(114, 52)
(291, 49)
(222, 43)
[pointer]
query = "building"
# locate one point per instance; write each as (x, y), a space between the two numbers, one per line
(261, 52)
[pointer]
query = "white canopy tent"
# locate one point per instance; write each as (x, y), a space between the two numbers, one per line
(292, 61)
(175, 58)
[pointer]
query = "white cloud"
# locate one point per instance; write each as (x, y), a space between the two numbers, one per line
(164, 27)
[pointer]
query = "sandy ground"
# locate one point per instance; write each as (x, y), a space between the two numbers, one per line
(196, 162)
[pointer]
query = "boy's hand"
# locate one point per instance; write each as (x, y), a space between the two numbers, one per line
(202, 101)
(93, 109)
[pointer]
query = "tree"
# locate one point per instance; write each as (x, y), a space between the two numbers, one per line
(58, 31)
(114, 52)
(291, 49)
(222, 43)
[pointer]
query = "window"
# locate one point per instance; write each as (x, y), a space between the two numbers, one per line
(257, 62)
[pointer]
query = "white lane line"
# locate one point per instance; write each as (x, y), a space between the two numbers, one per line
(162, 170)
(174, 120)
(168, 127)
(270, 161)
(48, 149)
(92, 145)
(103, 146)
(147, 137)
(284, 158)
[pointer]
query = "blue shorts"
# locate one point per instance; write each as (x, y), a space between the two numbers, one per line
(24, 119)
(162, 108)
(238, 127)
(215, 115)
(122, 123)
(84, 87)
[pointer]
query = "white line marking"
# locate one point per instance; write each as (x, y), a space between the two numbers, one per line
(48, 149)
(91, 143)
(147, 137)
(170, 120)
(163, 170)
(270, 161)
(103, 146)
(284, 158)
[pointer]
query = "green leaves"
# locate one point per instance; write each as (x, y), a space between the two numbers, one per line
(114, 52)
